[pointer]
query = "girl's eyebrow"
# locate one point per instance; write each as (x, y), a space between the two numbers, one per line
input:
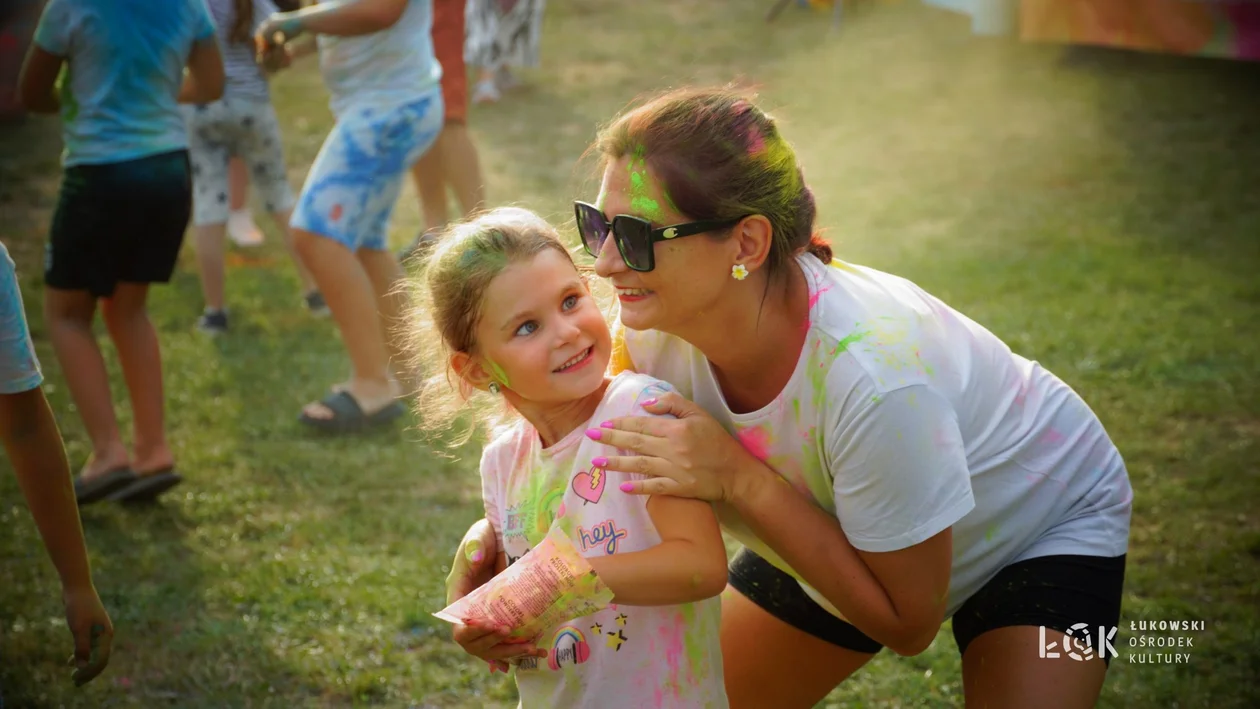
(573, 285)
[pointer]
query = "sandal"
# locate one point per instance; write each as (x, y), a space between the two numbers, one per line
(147, 487)
(348, 416)
(88, 491)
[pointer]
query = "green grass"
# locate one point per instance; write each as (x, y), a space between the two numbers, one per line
(1097, 210)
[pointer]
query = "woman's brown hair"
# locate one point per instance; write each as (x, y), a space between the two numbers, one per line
(720, 157)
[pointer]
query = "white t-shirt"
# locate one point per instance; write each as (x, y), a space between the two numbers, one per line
(631, 656)
(904, 417)
(387, 68)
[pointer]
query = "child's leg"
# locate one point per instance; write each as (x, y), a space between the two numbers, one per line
(213, 191)
(304, 274)
(462, 167)
(430, 176)
(136, 340)
(352, 299)
(344, 210)
(68, 316)
(241, 222)
(391, 301)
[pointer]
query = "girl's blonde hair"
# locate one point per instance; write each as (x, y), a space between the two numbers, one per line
(445, 307)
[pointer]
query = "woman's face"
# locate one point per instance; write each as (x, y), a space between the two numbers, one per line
(691, 272)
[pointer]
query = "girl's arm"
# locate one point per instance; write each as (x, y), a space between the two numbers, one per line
(688, 565)
(345, 18)
(204, 80)
(38, 79)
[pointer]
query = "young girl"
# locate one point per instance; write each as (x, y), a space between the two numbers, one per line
(376, 57)
(515, 320)
(123, 207)
(243, 123)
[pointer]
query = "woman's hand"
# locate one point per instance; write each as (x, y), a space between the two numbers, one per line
(690, 455)
(93, 632)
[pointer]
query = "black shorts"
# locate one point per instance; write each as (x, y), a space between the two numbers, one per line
(1057, 592)
(119, 222)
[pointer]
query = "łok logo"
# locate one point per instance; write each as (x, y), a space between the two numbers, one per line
(1078, 644)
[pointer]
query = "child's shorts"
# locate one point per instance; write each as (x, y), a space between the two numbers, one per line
(228, 128)
(119, 222)
(356, 179)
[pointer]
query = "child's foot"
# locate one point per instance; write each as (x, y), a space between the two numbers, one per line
(485, 92)
(213, 322)
(316, 304)
(99, 465)
(354, 406)
(242, 230)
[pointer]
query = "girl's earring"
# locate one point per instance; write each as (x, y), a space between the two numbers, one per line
(494, 388)
(738, 272)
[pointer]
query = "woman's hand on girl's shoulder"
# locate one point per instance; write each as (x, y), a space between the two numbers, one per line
(689, 455)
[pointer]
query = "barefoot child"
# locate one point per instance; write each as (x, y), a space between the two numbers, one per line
(514, 320)
(29, 436)
(122, 210)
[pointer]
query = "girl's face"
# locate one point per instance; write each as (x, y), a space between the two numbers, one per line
(691, 272)
(541, 334)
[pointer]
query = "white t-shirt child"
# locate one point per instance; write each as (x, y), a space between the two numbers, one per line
(904, 417)
(624, 656)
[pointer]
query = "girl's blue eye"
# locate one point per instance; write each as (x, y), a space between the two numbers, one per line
(570, 302)
(527, 328)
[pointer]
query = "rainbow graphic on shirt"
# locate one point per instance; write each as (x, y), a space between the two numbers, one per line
(568, 646)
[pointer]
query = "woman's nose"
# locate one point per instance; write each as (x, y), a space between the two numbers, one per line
(609, 261)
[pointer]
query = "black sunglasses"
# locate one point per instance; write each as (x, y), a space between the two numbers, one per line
(634, 236)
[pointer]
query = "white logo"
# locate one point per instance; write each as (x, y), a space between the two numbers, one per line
(1079, 644)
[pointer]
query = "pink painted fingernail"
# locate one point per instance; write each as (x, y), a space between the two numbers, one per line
(649, 402)
(599, 462)
(606, 424)
(475, 556)
(594, 433)
(627, 487)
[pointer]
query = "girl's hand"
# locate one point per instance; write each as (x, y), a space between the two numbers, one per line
(93, 633)
(690, 455)
(275, 31)
(488, 644)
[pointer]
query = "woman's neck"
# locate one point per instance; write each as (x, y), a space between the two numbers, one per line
(754, 344)
(554, 421)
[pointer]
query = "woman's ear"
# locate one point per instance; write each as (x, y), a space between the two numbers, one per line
(470, 369)
(753, 239)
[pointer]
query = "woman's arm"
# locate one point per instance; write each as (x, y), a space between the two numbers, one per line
(688, 565)
(896, 597)
(345, 18)
(38, 79)
(204, 80)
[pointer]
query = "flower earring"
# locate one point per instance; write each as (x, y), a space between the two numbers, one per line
(738, 272)
(494, 388)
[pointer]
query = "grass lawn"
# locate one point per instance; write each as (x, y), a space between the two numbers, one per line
(1097, 210)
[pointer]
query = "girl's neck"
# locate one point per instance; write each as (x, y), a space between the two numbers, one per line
(754, 344)
(554, 421)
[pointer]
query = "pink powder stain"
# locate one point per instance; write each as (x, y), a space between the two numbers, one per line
(671, 636)
(1052, 438)
(756, 440)
(813, 299)
(756, 143)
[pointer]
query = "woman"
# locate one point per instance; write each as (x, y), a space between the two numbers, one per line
(931, 472)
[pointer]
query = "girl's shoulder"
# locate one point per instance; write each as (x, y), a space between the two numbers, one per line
(627, 393)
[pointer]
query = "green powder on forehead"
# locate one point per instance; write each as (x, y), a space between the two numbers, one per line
(641, 202)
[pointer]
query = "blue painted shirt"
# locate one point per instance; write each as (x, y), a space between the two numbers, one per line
(19, 370)
(124, 65)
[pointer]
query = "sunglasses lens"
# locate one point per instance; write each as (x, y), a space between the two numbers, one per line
(591, 227)
(634, 238)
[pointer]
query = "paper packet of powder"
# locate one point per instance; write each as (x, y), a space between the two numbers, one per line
(547, 586)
